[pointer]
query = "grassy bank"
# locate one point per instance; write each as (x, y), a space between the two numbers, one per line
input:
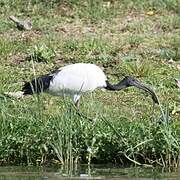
(135, 38)
(32, 135)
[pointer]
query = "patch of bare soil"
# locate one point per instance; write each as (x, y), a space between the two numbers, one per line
(24, 36)
(64, 9)
(17, 58)
(76, 30)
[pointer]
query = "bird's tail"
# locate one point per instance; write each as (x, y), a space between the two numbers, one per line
(37, 85)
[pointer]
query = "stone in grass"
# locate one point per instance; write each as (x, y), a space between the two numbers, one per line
(18, 94)
(21, 25)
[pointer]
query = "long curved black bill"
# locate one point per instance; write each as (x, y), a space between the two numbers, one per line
(138, 84)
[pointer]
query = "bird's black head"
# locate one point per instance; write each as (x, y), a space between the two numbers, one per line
(129, 81)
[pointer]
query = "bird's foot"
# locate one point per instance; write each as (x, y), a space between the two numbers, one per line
(84, 116)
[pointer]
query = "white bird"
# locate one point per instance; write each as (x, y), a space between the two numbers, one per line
(76, 79)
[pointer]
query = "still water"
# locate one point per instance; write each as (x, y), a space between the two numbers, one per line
(84, 172)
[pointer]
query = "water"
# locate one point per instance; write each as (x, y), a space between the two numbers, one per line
(85, 172)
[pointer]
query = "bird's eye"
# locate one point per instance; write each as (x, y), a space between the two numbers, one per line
(132, 79)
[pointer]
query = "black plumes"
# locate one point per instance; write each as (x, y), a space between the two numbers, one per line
(38, 85)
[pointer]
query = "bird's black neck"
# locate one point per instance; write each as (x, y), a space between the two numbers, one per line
(116, 87)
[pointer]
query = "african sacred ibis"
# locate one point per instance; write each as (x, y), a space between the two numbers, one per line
(76, 79)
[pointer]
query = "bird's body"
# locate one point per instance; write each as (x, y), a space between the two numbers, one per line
(76, 79)
(71, 80)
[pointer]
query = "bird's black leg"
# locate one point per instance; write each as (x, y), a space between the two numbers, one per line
(77, 104)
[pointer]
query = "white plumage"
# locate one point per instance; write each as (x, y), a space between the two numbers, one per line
(75, 79)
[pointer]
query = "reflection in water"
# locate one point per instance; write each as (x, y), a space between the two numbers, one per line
(85, 172)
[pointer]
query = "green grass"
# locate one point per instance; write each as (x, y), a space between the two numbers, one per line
(41, 136)
(123, 38)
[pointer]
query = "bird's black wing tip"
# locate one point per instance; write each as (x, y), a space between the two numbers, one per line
(27, 89)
